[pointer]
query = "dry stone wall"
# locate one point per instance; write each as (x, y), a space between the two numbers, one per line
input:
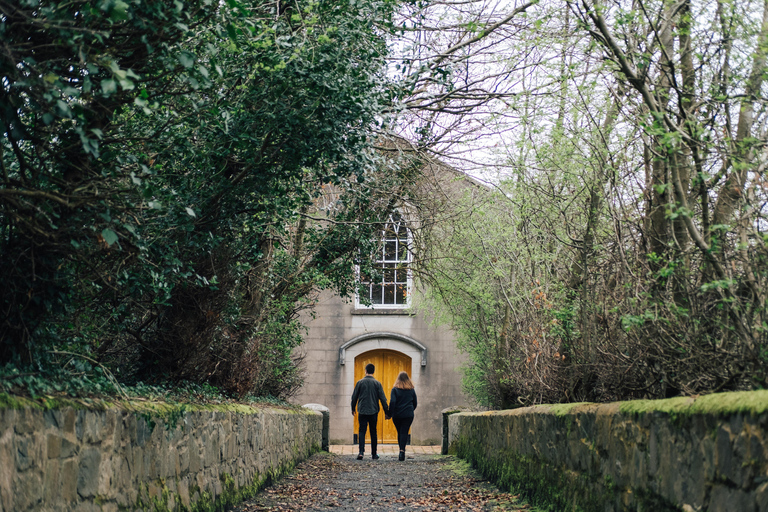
(685, 454)
(141, 457)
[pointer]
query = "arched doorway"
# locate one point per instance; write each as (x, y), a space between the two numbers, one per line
(389, 363)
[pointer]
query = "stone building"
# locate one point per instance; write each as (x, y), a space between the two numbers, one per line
(345, 335)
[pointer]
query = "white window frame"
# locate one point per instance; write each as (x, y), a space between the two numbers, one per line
(384, 261)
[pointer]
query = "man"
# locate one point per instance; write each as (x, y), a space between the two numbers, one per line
(366, 397)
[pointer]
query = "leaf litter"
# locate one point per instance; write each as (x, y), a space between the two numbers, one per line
(424, 483)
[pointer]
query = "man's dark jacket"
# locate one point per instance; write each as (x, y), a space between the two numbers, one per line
(367, 395)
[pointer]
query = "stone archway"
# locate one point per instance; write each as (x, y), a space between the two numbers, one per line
(374, 336)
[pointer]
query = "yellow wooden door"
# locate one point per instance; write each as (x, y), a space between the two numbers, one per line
(388, 365)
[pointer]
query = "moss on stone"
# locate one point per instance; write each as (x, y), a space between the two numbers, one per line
(15, 402)
(534, 480)
(167, 412)
(9, 401)
(547, 486)
(459, 467)
(717, 404)
(554, 487)
(562, 409)
(160, 408)
(230, 496)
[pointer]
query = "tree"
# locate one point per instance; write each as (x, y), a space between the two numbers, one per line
(199, 230)
(633, 185)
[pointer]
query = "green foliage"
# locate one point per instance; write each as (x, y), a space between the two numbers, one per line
(481, 284)
(179, 178)
(625, 256)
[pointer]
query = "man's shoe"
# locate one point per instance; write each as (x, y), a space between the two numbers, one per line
(375, 457)
(360, 456)
(401, 456)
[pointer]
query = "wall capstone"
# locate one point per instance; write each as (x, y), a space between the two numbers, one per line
(445, 413)
(326, 443)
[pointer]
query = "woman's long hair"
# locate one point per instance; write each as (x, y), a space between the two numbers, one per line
(403, 382)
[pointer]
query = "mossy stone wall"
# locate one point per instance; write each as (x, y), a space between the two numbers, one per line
(685, 454)
(144, 456)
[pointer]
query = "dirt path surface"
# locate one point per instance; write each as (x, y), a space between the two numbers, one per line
(421, 482)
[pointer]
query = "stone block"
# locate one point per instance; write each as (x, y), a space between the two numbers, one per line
(68, 448)
(183, 458)
(68, 480)
(153, 463)
(24, 453)
(51, 484)
(195, 461)
(27, 422)
(136, 461)
(7, 420)
(93, 426)
(106, 475)
(53, 419)
(28, 491)
(155, 491)
(88, 472)
(79, 424)
(726, 499)
(69, 419)
(111, 421)
(122, 480)
(129, 428)
(143, 432)
(174, 469)
(171, 504)
(211, 449)
(7, 470)
(231, 446)
(87, 506)
(183, 491)
(761, 498)
(726, 464)
(53, 446)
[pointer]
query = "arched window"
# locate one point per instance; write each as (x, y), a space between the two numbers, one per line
(391, 288)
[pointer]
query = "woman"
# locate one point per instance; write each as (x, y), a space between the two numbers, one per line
(402, 403)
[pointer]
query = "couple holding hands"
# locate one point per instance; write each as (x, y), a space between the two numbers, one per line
(402, 402)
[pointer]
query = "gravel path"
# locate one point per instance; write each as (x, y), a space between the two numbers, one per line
(421, 482)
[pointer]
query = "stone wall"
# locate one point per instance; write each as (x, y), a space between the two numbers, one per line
(143, 456)
(691, 454)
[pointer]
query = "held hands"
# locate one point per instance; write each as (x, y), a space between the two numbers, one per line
(387, 417)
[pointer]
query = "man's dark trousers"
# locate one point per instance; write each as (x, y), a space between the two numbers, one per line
(365, 421)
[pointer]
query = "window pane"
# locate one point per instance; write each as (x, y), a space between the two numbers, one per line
(401, 296)
(389, 274)
(390, 250)
(376, 294)
(403, 251)
(389, 294)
